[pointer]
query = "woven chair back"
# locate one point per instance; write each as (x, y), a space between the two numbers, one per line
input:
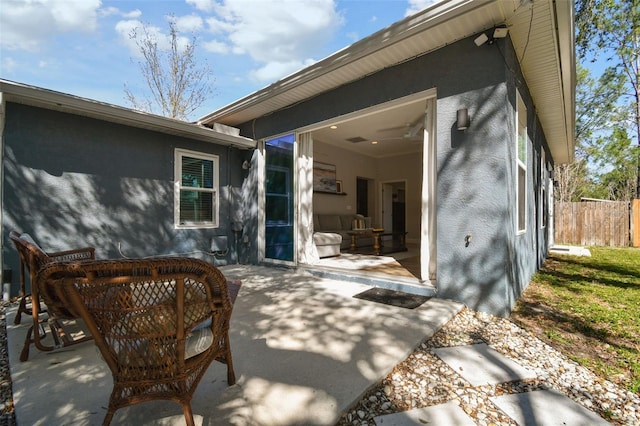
(141, 312)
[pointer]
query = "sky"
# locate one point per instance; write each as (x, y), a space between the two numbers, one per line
(84, 48)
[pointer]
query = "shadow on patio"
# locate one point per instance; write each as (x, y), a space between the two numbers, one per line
(304, 350)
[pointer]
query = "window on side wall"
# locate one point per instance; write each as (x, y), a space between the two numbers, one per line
(521, 163)
(543, 189)
(196, 189)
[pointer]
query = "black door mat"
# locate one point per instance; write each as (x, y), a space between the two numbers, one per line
(393, 297)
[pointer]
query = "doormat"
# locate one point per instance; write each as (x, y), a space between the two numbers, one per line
(393, 297)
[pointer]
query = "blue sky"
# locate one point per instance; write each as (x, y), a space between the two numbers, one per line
(82, 47)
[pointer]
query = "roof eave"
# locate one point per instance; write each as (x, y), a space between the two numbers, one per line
(48, 99)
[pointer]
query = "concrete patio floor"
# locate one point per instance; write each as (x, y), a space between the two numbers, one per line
(304, 351)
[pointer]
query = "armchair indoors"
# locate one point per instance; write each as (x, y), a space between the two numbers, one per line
(33, 258)
(158, 323)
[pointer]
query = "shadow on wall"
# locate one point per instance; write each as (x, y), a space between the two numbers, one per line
(121, 216)
(475, 223)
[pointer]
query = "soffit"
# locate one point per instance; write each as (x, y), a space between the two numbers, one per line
(547, 60)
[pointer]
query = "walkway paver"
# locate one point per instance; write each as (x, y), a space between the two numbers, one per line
(546, 407)
(449, 413)
(480, 364)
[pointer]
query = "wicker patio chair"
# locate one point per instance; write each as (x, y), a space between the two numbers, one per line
(158, 323)
(33, 258)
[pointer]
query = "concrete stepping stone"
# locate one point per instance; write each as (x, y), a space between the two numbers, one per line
(480, 364)
(546, 407)
(449, 413)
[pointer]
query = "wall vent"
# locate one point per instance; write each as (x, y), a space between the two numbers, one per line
(357, 139)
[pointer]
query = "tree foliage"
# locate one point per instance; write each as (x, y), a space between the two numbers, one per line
(571, 181)
(178, 85)
(608, 108)
(618, 172)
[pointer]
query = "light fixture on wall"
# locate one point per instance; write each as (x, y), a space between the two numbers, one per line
(463, 119)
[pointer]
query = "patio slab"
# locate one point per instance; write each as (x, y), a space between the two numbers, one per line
(304, 351)
(546, 407)
(448, 413)
(480, 364)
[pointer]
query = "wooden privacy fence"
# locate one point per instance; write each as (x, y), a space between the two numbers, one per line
(595, 223)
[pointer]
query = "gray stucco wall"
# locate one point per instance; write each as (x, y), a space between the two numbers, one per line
(476, 176)
(73, 181)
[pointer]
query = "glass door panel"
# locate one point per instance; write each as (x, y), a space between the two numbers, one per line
(279, 202)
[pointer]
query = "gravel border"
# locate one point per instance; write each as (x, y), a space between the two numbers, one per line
(7, 414)
(424, 380)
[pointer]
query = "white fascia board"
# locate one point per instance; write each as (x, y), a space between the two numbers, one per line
(440, 12)
(565, 15)
(34, 96)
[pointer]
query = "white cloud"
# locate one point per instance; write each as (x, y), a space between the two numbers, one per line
(134, 14)
(27, 24)
(9, 65)
(416, 6)
(109, 11)
(204, 5)
(281, 35)
(275, 70)
(189, 23)
(114, 11)
(125, 29)
(215, 46)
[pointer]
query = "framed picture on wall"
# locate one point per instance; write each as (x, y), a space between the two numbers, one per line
(324, 177)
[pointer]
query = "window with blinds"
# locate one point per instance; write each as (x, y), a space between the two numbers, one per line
(196, 204)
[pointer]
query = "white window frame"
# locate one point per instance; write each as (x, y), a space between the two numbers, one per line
(543, 190)
(521, 166)
(214, 190)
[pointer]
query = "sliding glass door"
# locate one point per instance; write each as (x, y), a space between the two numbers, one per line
(279, 198)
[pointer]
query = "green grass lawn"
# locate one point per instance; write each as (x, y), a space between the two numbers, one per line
(589, 309)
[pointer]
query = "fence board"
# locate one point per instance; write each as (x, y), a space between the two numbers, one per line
(593, 223)
(636, 222)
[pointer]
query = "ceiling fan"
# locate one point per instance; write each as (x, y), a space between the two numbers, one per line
(410, 131)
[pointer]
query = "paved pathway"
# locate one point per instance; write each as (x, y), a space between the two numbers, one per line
(479, 365)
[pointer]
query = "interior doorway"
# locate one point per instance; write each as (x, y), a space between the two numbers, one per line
(393, 213)
(364, 196)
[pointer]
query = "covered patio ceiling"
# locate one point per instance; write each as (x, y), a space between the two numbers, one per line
(541, 31)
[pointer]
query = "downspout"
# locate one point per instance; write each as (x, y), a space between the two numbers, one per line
(2, 121)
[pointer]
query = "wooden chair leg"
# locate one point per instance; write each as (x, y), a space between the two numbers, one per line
(231, 374)
(188, 414)
(108, 417)
(22, 307)
(24, 355)
(33, 335)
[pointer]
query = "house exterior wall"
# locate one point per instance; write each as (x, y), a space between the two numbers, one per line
(476, 174)
(72, 181)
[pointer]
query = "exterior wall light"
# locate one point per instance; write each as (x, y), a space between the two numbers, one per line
(463, 119)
